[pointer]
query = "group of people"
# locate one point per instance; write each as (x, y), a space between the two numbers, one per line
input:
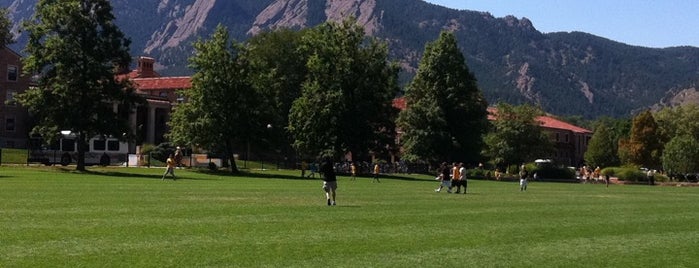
(450, 177)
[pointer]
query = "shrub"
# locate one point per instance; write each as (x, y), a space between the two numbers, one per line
(554, 173)
(162, 151)
(630, 174)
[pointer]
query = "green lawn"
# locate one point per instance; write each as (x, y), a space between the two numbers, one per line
(128, 217)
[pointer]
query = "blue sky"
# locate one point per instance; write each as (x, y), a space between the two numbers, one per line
(650, 23)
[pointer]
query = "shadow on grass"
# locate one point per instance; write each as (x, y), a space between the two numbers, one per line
(228, 174)
(119, 174)
(260, 175)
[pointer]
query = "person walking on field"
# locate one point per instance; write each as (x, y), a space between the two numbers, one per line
(329, 181)
(523, 179)
(304, 166)
(170, 169)
(353, 170)
(444, 177)
(377, 170)
(455, 178)
(462, 178)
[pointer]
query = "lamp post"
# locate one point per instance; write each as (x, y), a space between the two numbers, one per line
(262, 160)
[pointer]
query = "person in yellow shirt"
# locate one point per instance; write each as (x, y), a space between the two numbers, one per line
(377, 170)
(455, 177)
(304, 166)
(170, 167)
(353, 169)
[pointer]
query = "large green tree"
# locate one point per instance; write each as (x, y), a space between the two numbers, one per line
(516, 136)
(278, 72)
(602, 149)
(446, 114)
(6, 36)
(678, 121)
(681, 155)
(345, 104)
(644, 146)
(222, 109)
(76, 49)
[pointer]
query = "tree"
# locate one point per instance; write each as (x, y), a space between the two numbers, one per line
(278, 72)
(446, 113)
(6, 36)
(76, 49)
(644, 147)
(681, 155)
(346, 101)
(602, 149)
(516, 136)
(222, 109)
(678, 121)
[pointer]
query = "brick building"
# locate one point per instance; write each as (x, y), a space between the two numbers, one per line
(14, 119)
(161, 94)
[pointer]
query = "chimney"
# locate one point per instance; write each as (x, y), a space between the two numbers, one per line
(145, 67)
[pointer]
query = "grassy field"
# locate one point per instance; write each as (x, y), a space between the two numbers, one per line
(128, 217)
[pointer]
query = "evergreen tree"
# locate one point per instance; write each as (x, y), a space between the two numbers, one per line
(602, 149)
(76, 49)
(346, 101)
(222, 109)
(446, 114)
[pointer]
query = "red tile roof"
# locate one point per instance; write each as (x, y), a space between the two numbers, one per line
(546, 121)
(550, 122)
(160, 83)
(399, 103)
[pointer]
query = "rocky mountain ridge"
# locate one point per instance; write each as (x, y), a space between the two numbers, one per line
(565, 73)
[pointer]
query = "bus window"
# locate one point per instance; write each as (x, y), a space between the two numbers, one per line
(68, 145)
(113, 145)
(98, 145)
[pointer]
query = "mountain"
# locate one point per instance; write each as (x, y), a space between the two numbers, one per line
(565, 73)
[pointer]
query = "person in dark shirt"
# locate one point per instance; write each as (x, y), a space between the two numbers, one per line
(444, 178)
(329, 180)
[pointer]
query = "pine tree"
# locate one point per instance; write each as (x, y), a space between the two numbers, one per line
(446, 114)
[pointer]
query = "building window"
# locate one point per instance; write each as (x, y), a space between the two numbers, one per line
(567, 139)
(10, 124)
(180, 98)
(10, 98)
(98, 145)
(557, 138)
(113, 145)
(12, 72)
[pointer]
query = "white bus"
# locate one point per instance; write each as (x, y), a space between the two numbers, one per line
(101, 151)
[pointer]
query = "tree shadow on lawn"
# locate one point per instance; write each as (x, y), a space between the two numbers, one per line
(296, 177)
(119, 174)
(225, 173)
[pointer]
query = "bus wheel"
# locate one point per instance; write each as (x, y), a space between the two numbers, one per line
(104, 160)
(65, 160)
